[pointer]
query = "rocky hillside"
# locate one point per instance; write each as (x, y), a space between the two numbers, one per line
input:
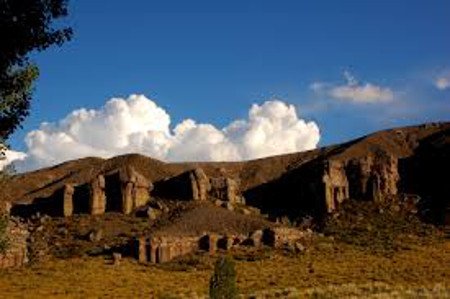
(383, 165)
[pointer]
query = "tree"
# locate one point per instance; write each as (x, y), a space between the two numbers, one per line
(25, 26)
(223, 281)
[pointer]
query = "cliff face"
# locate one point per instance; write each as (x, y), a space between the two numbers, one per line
(426, 173)
(377, 167)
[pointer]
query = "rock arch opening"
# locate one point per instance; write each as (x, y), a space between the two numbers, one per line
(113, 192)
(81, 199)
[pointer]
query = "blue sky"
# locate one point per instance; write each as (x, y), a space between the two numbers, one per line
(210, 60)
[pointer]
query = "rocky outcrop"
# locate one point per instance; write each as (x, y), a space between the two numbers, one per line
(163, 249)
(135, 189)
(218, 188)
(122, 190)
(335, 184)
(373, 177)
(225, 189)
(197, 186)
(200, 184)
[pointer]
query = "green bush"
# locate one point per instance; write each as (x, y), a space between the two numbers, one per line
(223, 282)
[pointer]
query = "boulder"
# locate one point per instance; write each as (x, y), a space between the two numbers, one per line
(278, 237)
(95, 235)
(152, 213)
(117, 258)
(256, 237)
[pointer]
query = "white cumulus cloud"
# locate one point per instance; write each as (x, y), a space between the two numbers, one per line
(138, 125)
(9, 156)
(354, 91)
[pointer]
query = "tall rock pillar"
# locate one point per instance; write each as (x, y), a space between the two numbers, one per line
(68, 200)
(97, 201)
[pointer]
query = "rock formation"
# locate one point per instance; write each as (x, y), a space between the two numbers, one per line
(200, 184)
(120, 191)
(282, 236)
(135, 189)
(163, 249)
(373, 177)
(226, 189)
(97, 200)
(197, 186)
(335, 184)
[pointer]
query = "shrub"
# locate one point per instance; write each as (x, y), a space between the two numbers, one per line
(223, 281)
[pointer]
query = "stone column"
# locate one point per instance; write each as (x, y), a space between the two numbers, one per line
(163, 253)
(98, 198)
(200, 184)
(329, 195)
(127, 198)
(231, 189)
(68, 200)
(194, 187)
(135, 189)
(141, 190)
(142, 250)
(212, 243)
(153, 251)
(346, 192)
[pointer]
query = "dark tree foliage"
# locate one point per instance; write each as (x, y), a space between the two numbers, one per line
(25, 26)
(223, 281)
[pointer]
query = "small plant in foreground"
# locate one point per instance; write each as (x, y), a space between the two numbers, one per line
(223, 281)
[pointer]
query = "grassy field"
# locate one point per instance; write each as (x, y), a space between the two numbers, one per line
(367, 251)
(328, 269)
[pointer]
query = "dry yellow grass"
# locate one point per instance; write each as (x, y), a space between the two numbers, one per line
(318, 272)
